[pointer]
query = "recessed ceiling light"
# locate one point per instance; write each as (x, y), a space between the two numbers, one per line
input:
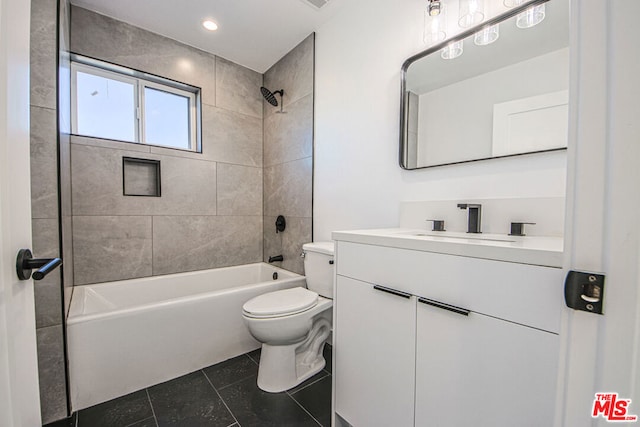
(210, 25)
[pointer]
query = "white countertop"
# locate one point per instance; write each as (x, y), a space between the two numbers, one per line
(535, 250)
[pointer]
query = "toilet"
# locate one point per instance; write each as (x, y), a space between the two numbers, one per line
(293, 324)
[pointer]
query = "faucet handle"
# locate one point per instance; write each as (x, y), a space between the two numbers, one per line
(438, 224)
(517, 228)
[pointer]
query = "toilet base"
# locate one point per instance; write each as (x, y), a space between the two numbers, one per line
(283, 367)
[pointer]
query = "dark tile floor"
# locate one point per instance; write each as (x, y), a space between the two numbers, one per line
(224, 395)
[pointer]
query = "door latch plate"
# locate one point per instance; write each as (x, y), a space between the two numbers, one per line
(584, 291)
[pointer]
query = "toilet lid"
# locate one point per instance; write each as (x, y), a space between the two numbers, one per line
(280, 303)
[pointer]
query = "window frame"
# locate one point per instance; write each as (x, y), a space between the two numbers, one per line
(140, 81)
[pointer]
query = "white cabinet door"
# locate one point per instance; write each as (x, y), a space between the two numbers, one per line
(374, 368)
(483, 371)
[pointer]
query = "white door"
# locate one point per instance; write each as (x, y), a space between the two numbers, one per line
(19, 395)
(601, 353)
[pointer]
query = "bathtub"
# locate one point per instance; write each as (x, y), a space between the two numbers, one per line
(127, 335)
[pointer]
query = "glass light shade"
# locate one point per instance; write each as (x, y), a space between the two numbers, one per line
(513, 3)
(471, 12)
(452, 50)
(531, 17)
(435, 27)
(487, 36)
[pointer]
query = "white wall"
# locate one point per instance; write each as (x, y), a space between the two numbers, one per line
(462, 113)
(357, 182)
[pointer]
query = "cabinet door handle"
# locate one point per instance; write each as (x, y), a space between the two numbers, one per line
(453, 308)
(392, 291)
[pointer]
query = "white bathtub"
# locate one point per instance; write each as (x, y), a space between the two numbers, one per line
(127, 335)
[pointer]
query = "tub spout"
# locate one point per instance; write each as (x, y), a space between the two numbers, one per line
(275, 258)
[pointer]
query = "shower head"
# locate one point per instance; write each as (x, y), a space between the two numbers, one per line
(271, 96)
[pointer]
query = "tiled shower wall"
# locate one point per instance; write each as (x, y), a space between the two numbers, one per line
(288, 155)
(44, 205)
(212, 206)
(210, 211)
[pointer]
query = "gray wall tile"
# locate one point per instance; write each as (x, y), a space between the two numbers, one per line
(231, 137)
(297, 233)
(48, 294)
(287, 243)
(67, 261)
(96, 183)
(272, 240)
(43, 53)
(293, 73)
(289, 136)
(108, 143)
(186, 243)
(288, 151)
(108, 248)
(108, 39)
(287, 189)
(188, 186)
(44, 163)
(239, 190)
(238, 88)
(44, 194)
(51, 368)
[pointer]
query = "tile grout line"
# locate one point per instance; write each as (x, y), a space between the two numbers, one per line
(153, 411)
(139, 421)
(304, 409)
(310, 384)
(236, 382)
(221, 399)
(251, 358)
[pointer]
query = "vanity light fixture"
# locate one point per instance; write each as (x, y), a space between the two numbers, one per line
(434, 7)
(471, 12)
(531, 17)
(487, 36)
(435, 26)
(209, 25)
(452, 50)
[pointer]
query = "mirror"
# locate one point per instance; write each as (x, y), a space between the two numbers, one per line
(506, 98)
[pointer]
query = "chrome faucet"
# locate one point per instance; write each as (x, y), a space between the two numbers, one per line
(473, 218)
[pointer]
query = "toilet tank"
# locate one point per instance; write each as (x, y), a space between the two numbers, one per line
(319, 267)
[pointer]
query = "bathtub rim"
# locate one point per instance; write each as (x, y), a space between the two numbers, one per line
(74, 318)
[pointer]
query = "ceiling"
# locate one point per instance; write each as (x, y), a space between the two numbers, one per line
(252, 33)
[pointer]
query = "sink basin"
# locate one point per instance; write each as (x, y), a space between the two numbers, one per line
(465, 237)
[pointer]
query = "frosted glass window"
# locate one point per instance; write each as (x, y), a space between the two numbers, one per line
(166, 119)
(106, 108)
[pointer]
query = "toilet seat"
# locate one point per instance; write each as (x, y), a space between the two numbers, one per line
(280, 303)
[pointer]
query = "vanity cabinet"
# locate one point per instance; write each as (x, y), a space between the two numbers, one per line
(429, 339)
(378, 332)
(479, 370)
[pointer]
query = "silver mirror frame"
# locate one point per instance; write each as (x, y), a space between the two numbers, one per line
(402, 157)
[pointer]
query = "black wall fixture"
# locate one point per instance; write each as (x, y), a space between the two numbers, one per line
(281, 224)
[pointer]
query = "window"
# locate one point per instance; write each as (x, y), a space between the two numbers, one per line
(113, 102)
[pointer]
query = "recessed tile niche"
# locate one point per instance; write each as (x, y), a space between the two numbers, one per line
(140, 177)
